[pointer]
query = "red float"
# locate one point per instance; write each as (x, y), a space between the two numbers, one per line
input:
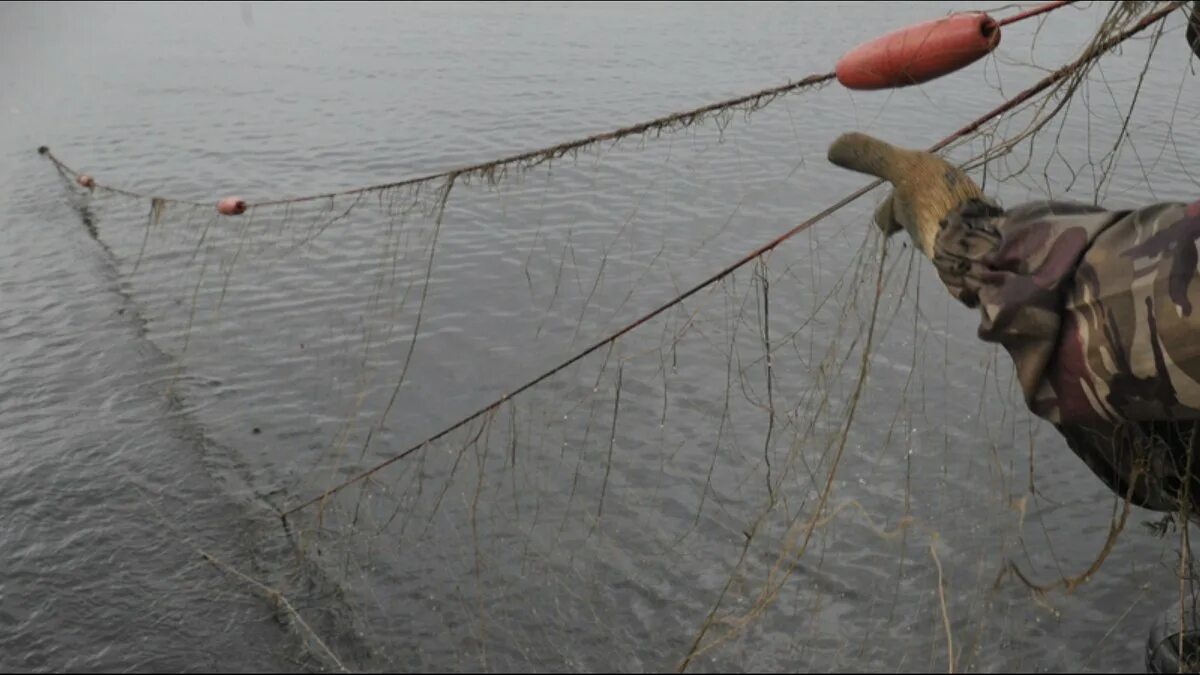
(231, 206)
(919, 53)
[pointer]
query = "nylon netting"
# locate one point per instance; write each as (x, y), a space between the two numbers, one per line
(809, 463)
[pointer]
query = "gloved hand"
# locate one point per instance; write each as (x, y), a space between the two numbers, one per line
(925, 188)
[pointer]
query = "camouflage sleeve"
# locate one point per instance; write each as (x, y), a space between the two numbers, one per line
(1193, 29)
(1096, 308)
(1099, 312)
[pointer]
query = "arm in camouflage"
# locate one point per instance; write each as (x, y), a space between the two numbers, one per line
(1100, 312)
(1193, 29)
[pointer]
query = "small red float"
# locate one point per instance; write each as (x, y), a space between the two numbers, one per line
(919, 53)
(231, 206)
(85, 180)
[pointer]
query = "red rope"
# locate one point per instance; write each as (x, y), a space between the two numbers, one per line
(1041, 9)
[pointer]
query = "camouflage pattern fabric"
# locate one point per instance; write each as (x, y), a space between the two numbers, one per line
(1100, 312)
(1193, 29)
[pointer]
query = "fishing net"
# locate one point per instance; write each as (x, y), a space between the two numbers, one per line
(808, 462)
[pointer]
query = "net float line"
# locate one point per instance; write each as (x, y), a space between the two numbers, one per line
(1030, 13)
(493, 169)
(909, 56)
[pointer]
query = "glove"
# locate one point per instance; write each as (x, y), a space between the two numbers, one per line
(925, 188)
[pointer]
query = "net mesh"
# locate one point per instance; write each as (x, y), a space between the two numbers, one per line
(806, 463)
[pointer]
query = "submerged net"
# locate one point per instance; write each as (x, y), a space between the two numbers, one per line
(809, 462)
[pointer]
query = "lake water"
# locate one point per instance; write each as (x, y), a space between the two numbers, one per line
(168, 385)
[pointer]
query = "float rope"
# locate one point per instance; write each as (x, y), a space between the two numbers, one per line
(525, 160)
(1029, 13)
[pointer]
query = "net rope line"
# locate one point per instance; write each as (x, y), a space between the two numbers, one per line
(529, 159)
(1094, 52)
(526, 160)
(1030, 13)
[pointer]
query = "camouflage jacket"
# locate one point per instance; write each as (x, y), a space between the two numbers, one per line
(1100, 313)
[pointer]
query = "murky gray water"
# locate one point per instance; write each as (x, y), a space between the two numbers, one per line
(271, 336)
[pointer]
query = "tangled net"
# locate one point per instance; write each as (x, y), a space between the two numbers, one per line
(715, 481)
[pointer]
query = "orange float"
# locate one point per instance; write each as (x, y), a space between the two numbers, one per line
(231, 206)
(919, 53)
(85, 180)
